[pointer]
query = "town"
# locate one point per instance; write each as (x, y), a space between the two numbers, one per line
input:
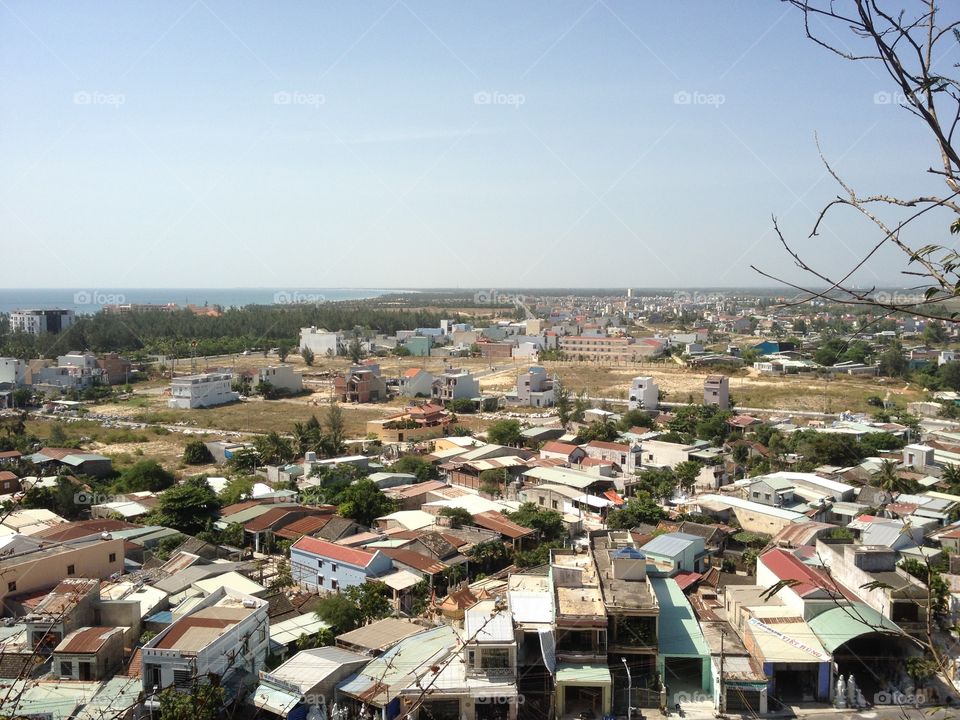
(544, 505)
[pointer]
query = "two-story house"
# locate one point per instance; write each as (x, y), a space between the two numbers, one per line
(321, 565)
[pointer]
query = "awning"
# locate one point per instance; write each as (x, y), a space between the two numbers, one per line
(594, 501)
(548, 648)
(581, 674)
(840, 625)
(274, 700)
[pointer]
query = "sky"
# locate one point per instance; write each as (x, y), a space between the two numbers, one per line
(399, 143)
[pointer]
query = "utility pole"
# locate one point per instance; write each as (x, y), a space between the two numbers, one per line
(723, 699)
(629, 689)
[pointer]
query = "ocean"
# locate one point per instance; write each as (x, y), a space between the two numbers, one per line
(90, 300)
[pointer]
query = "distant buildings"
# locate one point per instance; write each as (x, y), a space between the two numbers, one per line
(320, 342)
(38, 322)
(716, 391)
(644, 394)
(198, 391)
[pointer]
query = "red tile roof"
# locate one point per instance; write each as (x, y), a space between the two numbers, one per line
(492, 520)
(604, 445)
(10, 454)
(411, 372)
(805, 580)
(303, 526)
(559, 447)
(332, 551)
(415, 560)
(685, 578)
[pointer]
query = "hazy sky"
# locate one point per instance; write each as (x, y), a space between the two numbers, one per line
(402, 143)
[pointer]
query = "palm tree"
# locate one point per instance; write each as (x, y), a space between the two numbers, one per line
(887, 478)
(951, 474)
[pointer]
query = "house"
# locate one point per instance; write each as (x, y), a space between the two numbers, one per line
(416, 422)
(569, 453)
(419, 345)
(9, 483)
(631, 607)
(773, 491)
(675, 552)
(226, 634)
(582, 678)
(31, 565)
(361, 384)
(78, 462)
(644, 394)
(289, 690)
(116, 370)
(752, 516)
(12, 372)
(322, 343)
(534, 389)
(416, 382)
(89, 653)
(455, 384)
(67, 607)
(625, 456)
(322, 565)
(716, 391)
(200, 391)
(282, 378)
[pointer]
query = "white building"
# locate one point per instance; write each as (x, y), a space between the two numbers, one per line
(321, 342)
(416, 382)
(454, 384)
(197, 391)
(37, 322)
(226, 633)
(282, 377)
(12, 371)
(644, 394)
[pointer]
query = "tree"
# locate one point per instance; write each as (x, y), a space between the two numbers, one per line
(934, 333)
(505, 432)
(339, 612)
(195, 452)
(637, 418)
(493, 481)
(888, 478)
(458, 516)
(335, 429)
(416, 465)
(355, 350)
(307, 355)
(641, 508)
(951, 475)
(283, 350)
(274, 449)
(146, 475)
(204, 701)
(908, 47)
(237, 488)
(892, 361)
(950, 375)
(58, 435)
(283, 578)
(364, 502)
(490, 556)
(686, 473)
(187, 507)
(372, 599)
(549, 523)
(563, 405)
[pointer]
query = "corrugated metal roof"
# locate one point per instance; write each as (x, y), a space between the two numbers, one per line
(485, 623)
(840, 625)
(670, 544)
(680, 633)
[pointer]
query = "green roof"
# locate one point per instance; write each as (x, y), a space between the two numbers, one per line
(577, 674)
(842, 624)
(680, 633)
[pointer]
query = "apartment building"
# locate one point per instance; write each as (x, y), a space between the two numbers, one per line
(600, 347)
(38, 322)
(455, 384)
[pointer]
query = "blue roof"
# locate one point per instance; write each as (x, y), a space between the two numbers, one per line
(629, 553)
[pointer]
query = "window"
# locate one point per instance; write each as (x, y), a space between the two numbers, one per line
(182, 679)
(333, 567)
(554, 504)
(262, 634)
(66, 668)
(71, 569)
(756, 494)
(11, 587)
(113, 557)
(334, 585)
(541, 499)
(319, 563)
(319, 581)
